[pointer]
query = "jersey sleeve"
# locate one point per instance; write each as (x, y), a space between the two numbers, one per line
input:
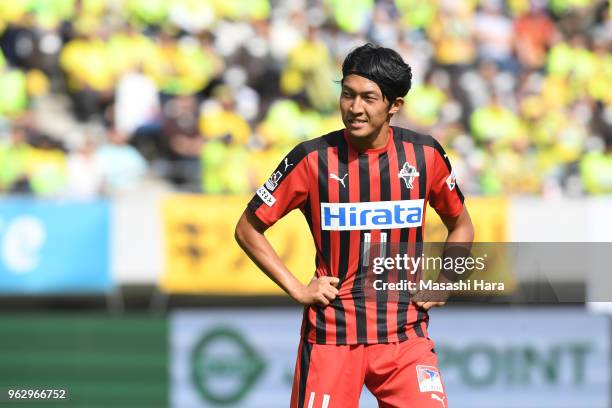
(445, 196)
(285, 190)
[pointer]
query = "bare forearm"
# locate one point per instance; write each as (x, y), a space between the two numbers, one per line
(460, 230)
(258, 248)
(458, 244)
(459, 240)
(250, 236)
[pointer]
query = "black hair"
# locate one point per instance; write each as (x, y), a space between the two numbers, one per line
(381, 65)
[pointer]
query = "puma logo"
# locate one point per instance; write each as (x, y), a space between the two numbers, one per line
(438, 398)
(287, 164)
(334, 176)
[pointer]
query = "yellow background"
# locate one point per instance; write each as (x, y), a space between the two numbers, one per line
(489, 216)
(203, 257)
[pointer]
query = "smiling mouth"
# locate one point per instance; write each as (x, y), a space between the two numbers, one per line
(357, 122)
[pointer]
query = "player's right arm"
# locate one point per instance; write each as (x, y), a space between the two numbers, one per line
(286, 190)
(250, 236)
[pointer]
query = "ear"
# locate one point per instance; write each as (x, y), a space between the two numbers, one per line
(396, 105)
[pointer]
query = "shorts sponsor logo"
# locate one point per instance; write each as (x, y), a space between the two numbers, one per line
(266, 197)
(272, 182)
(429, 379)
(371, 215)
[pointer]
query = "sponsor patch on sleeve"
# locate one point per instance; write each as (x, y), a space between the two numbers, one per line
(429, 379)
(451, 180)
(265, 196)
(272, 182)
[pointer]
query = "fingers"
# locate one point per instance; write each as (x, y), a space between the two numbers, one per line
(325, 289)
(427, 299)
(322, 301)
(329, 294)
(421, 297)
(331, 280)
(328, 284)
(426, 305)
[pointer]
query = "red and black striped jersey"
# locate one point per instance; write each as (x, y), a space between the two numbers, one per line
(351, 199)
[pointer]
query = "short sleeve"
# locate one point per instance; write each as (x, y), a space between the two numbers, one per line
(286, 189)
(445, 196)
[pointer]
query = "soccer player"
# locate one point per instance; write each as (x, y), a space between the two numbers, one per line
(365, 184)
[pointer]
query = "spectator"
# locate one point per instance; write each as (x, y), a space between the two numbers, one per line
(494, 35)
(416, 14)
(136, 102)
(224, 167)
(183, 142)
(218, 90)
(14, 96)
(91, 77)
(423, 104)
(496, 124)
(596, 171)
(84, 175)
(351, 15)
(220, 119)
(14, 162)
(309, 70)
(121, 166)
(46, 168)
(534, 32)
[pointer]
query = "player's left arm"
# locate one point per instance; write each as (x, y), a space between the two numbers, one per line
(460, 237)
(448, 201)
(460, 228)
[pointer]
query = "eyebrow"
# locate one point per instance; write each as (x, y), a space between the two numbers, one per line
(373, 93)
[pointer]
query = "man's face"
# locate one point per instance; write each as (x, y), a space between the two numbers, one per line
(363, 109)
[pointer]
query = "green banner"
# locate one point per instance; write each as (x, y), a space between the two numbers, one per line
(99, 361)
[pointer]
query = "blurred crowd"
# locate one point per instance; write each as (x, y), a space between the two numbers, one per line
(208, 95)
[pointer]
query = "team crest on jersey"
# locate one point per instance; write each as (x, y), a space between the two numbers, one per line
(272, 182)
(429, 379)
(451, 180)
(408, 173)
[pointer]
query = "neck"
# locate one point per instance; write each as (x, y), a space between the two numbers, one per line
(373, 141)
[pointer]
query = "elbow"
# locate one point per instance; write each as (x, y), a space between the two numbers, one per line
(461, 228)
(247, 229)
(468, 227)
(243, 230)
(239, 233)
(470, 231)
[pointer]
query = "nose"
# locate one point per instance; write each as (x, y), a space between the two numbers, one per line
(356, 107)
